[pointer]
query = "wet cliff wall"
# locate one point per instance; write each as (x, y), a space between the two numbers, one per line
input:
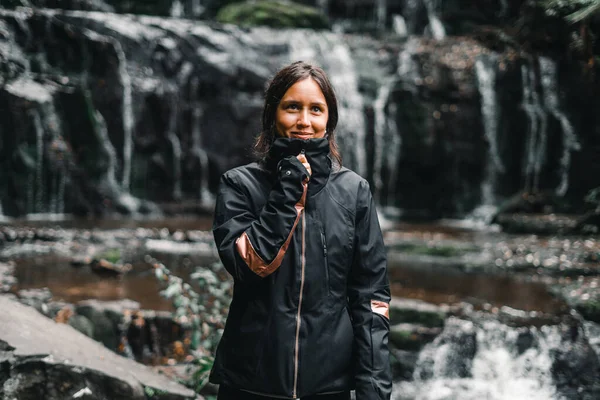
(105, 112)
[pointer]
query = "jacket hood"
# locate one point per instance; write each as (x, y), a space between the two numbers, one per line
(316, 151)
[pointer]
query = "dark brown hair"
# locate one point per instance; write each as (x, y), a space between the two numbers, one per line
(280, 83)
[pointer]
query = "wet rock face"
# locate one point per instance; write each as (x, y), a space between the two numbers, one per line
(99, 114)
(116, 113)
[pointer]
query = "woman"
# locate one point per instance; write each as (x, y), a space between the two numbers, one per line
(300, 236)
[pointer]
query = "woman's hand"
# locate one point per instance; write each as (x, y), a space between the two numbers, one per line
(294, 168)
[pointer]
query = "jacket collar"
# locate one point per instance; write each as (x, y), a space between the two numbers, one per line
(316, 151)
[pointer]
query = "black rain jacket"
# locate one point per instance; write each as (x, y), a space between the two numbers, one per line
(309, 313)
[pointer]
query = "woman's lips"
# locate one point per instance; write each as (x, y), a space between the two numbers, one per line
(303, 136)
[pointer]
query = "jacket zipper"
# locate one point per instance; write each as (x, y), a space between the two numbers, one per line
(324, 243)
(298, 320)
(297, 349)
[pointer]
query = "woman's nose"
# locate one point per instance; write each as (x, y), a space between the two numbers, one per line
(303, 119)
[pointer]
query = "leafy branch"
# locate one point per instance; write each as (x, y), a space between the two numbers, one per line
(202, 312)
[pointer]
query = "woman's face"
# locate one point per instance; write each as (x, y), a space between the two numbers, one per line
(302, 112)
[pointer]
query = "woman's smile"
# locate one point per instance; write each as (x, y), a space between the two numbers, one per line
(302, 112)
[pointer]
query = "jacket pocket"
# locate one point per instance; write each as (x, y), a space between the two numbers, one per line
(316, 286)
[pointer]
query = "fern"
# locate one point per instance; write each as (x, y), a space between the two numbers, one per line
(572, 11)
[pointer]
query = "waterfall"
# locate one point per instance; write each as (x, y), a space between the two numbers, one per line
(175, 145)
(206, 197)
(435, 24)
(335, 57)
(177, 9)
(408, 68)
(127, 111)
(197, 8)
(411, 12)
(323, 6)
(387, 145)
(109, 180)
(505, 7)
(381, 13)
(485, 71)
(38, 188)
(484, 361)
(537, 137)
(399, 25)
(551, 101)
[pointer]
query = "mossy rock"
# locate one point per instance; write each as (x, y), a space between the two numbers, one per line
(436, 251)
(275, 14)
(426, 318)
(590, 310)
(411, 337)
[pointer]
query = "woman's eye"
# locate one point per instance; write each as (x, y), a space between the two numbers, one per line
(292, 106)
(316, 109)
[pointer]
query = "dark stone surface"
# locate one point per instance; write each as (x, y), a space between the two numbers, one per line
(576, 365)
(43, 359)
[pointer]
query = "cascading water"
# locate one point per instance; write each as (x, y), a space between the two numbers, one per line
(177, 10)
(411, 10)
(485, 70)
(549, 84)
(197, 8)
(387, 138)
(109, 180)
(127, 110)
(537, 138)
(45, 192)
(408, 68)
(37, 186)
(435, 24)
(381, 13)
(205, 195)
(332, 55)
(399, 25)
(175, 147)
(484, 360)
(324, 6)
(387, 145)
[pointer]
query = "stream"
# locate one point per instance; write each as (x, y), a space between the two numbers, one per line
(500, 283)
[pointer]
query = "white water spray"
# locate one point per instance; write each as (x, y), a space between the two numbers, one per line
(496, 370)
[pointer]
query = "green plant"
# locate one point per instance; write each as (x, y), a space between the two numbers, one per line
(110, 255)
(593, 197)
(577, 12)
(571, 10)
(276, 14)
(203, 312)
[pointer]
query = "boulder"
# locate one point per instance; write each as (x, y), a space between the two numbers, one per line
(42, 359)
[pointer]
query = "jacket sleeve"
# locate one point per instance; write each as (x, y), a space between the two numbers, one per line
(247, 242)
(369, 298)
